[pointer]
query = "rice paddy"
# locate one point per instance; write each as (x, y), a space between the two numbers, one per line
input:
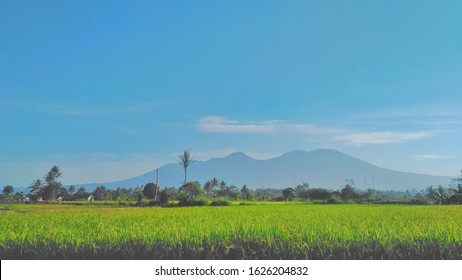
(258, 231)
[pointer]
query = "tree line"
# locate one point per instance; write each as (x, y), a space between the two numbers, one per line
(215, 189)
(193, 193)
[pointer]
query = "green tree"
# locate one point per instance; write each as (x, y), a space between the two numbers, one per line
(350, 182)
(456, 190)
(8, 190)
(230, 192)
(222, 189)
(303, 191)
(71, 190)
(349, 193)
(288, 193)
(63, 193)
(19, 196)
(210, 187)
(138, 194)
(163, 197)
(369, 194)
(81, 193)
(185, 159)
(52, 184)
(150, 190)
(122, 194)
(172, 193)
(264, 194)
(36, 189)
(319, 194)
(101, 193)
(215, 182)
(456, 196)
(439, 195)
(191, 190)
(246, 194)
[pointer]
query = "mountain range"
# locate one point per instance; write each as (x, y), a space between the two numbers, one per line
(320, 168)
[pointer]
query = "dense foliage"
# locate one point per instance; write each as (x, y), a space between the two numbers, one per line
(192, 193)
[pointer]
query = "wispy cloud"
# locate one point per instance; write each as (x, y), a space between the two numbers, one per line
(431, 157)
(218, 124)
(222, 125)
(382, 137)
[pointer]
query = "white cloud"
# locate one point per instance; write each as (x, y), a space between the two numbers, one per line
(382, 137)
(222, 125)
(431, 157)
(315, 133)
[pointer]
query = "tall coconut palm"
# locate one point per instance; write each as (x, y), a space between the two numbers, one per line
(52, 185)
(36, 188)
(185, 159)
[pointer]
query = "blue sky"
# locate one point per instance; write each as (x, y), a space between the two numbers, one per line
(112, 89)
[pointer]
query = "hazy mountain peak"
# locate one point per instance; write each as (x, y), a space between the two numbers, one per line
(327, 151)
(320, 168)
(237, 155)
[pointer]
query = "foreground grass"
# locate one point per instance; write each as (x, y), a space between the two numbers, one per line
(260, 231)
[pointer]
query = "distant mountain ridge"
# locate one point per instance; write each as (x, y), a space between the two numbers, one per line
(320, 168)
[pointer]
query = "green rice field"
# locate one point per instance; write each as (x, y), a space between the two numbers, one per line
(257, 231)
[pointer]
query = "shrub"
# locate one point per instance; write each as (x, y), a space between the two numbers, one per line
(246, 203)
(334, 200)
(200, 202)
(153, 203)
(184, 201)
(220, 202)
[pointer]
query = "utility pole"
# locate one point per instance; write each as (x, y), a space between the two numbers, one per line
(157, 184)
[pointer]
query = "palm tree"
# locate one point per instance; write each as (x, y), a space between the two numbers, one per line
(185, 159)
(215, 182)
(52, 185)
(36, 188)
(71, 190)
(456, 191)
(438, 194)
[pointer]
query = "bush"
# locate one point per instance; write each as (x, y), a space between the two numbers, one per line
(153, 203)
(163, 197)
(220, 202)
(200, 202)
(246, 203)
(334, 200)
(171, 204)
(184, 201)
